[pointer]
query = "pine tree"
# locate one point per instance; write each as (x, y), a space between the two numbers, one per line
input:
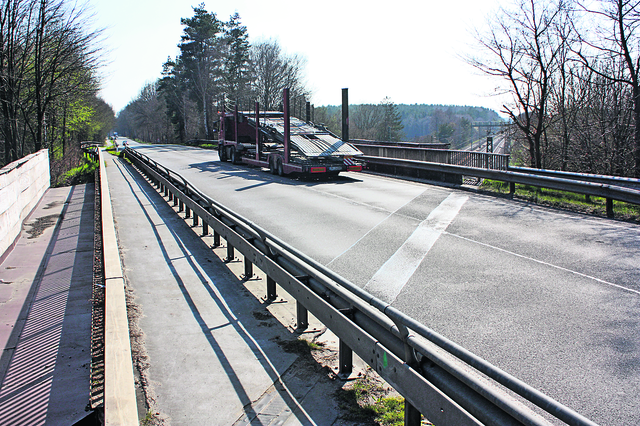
(390, 127)
(236, 79)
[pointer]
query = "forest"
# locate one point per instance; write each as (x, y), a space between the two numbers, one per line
(49, 83)
(387, 121)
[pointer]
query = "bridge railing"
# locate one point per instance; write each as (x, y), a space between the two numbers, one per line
(438, 378)
(621, 189)
(485, 160)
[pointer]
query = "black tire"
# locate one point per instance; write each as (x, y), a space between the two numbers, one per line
(234, 156)
(280, 168)
(272, 167)
(222, 153)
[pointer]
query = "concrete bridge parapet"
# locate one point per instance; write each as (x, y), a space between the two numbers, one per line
(22, 185)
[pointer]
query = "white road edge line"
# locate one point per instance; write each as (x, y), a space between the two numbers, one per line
(391, 278)
(548, 264)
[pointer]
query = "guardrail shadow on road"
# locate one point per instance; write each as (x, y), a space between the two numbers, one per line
(230, 298)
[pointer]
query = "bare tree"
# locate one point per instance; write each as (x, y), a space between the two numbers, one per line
(273, 71)
(616, 40)
(522, 50)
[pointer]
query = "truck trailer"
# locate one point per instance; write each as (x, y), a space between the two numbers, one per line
(284, 144)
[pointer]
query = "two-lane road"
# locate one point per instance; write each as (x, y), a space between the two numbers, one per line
(551, 297)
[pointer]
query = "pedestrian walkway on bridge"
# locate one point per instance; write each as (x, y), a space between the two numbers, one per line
(207, 346)
(45, 312)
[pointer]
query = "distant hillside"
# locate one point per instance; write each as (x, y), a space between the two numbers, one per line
(445, 123)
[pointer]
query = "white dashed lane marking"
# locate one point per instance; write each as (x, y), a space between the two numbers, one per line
(391, 278)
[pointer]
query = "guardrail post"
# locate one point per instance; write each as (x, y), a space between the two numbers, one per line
(345, 360)
(512, 188)
(231, 253)
(216, 239)
(181, 206)
(170, 196)
(205, 228)
(610, 208)
(302, 316)
(187, 212)
(248, 268)
(195, 220)
(271, 289)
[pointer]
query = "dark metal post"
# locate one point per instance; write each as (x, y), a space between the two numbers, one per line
(287, 123)
(271, 289)
(345, 359)
(235, 123)
(195, 219)
(302, 316)
(512, 188)
(248, 268)
(231, 253)
(187, 212)
(610, 208)
(258, 145)
(345, 115)
(216, 239)
(181, 206)
(205, 228)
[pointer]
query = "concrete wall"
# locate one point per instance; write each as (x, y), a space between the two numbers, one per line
(22, 184)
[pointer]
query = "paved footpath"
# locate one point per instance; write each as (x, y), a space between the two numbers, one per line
(45, 312)
(207, 350)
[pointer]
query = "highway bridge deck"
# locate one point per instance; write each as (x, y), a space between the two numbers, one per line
(549, 296)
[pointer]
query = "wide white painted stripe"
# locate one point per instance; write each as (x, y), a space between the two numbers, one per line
(388, 282)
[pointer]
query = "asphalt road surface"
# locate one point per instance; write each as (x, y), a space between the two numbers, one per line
(549, 296)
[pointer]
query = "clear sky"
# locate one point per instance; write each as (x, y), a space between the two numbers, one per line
(408, 50)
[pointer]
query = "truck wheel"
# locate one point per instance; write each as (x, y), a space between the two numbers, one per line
(280, 168)
(272, 167)
(234, 155)
(222, 153)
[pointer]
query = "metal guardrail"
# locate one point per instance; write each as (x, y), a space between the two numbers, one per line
(584, 177)
(592, 188)
(438, 378)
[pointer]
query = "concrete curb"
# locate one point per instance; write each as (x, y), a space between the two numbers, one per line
(120, 396)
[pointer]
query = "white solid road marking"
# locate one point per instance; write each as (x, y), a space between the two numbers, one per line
(388, 282)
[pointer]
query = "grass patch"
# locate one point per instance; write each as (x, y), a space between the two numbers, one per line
(299, 346)
(84, 173)
(565, 200)
(208, 146)
(367, 402)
